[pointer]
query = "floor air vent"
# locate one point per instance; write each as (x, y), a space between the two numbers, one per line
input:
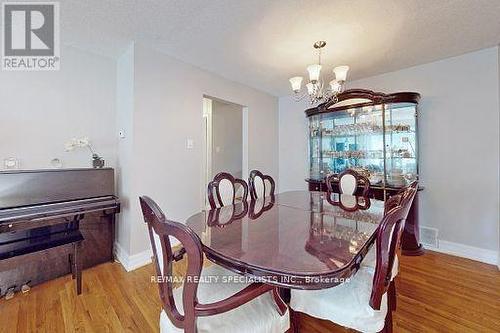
(429, 236)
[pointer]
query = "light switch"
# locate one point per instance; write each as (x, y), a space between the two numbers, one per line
(217, 149)
(189, 143)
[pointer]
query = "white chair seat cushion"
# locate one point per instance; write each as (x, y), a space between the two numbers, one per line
(346, 305)
(370, 260)
(258, 315)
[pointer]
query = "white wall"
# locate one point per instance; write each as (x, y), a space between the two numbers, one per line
(459, 143)
(168, 101)
(125, 158)
(227, 136)
(498, 259)
(40, 111)
(293, 136)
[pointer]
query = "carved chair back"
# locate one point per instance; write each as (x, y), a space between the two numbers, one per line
(160, 229)
(224, 189)
(348, 182)
(260, 185)
(396, 199)
(387, 243)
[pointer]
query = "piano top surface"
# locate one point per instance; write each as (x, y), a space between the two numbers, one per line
(17, 171)
(20, 188)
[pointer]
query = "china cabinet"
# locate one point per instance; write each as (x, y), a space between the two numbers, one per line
(373, 133)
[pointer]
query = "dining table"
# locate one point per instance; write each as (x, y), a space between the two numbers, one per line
(291, 240)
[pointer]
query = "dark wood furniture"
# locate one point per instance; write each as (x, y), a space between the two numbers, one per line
(258, 187)
(54, 222)
(358, 99)
(223, 190)
(163, 228)
(387, 244)
(273, 247)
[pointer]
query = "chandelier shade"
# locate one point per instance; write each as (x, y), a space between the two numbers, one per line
(341, 72)
(314, 71)
(296, 83)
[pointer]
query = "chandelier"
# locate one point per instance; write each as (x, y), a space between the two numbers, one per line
(316, 89)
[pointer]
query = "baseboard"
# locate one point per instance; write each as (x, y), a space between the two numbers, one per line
(131, 262)
(466, 251)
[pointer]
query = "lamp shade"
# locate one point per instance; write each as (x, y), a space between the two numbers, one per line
(335, 86)
(341, 72)
(314, 72)
(310, 88)
(296, 82)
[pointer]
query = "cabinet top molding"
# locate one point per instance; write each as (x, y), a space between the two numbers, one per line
(365, 98)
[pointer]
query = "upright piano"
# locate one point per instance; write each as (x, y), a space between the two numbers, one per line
(43, 211)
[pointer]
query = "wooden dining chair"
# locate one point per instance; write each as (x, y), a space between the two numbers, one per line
(370, 259)
(225, 190)
(260, 185)
(364, 303)
(210, 299)
(348, 182)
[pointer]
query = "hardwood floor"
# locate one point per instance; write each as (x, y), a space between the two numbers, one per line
(436, 293)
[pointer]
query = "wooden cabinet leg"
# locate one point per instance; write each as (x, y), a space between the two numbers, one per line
(410, 242)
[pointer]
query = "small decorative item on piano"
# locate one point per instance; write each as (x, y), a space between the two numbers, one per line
(97, 161)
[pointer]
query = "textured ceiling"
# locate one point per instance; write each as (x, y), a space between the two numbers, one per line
(262, 43)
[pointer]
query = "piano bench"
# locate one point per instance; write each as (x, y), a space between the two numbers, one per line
(12, 245)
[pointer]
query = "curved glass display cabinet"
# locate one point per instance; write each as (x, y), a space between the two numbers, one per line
(373, 133)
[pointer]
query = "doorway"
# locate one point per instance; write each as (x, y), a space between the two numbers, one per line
(224, 126)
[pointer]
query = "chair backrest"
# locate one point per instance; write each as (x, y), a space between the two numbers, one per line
(348, 182)
(260, 185)
(160, 229)
(224, 189)
(388, 239)
(396, 199)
